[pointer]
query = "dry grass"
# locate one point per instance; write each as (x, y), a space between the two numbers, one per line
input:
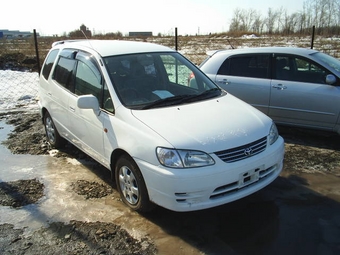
(193, 47)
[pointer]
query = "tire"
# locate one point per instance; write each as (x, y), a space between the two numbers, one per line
(52, 134)
(131, 185)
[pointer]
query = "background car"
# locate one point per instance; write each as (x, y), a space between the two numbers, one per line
(293, 86)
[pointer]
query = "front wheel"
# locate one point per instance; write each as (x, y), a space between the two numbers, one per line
(131, 185)
(52, 134)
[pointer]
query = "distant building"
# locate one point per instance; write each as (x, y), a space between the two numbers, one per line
(11, 34)
(140, 34)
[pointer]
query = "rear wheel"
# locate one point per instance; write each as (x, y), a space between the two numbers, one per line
(52, 134)
(131, 185)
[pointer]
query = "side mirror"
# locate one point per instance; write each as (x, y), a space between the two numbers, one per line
(88, 102)
(330, 79)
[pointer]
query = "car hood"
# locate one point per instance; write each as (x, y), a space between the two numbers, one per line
(211, 125)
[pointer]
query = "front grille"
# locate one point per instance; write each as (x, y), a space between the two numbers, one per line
(242, 152)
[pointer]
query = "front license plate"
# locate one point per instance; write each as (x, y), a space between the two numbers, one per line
(249, 177)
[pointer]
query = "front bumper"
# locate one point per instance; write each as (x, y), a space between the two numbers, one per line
(205, 187)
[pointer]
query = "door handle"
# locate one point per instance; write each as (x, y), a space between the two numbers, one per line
(223, 81)
(72, 109)
(279, 87)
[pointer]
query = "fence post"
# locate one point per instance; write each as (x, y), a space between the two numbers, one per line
(36, 50)
(312, 40)
(176, 39)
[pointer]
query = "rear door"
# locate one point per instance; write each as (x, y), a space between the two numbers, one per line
(300, 95)
(60, 88)
(246, 76)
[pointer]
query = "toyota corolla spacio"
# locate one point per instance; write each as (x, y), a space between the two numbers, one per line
(181, 145)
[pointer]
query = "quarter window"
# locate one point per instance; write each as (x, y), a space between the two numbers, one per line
(49, 63)
(107, 100)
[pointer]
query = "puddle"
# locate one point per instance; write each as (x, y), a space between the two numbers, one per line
(59, 203)
(18, 166)
(4, 131)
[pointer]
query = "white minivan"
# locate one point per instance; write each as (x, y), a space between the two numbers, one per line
(183, 144)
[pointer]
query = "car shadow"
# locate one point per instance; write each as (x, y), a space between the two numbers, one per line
(310, 137)
(287, 217)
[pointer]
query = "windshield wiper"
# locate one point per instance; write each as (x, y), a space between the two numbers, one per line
(205, 95)
(180, 99)
(167, 101)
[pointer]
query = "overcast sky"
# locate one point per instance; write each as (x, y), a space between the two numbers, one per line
(104, 16)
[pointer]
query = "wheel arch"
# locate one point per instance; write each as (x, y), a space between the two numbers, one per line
(115, 155)
(144, 203)
(42, 113)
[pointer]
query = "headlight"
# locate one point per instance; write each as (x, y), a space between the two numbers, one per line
(273, 134)
(183, 158)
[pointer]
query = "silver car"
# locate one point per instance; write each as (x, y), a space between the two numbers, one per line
(294, 86)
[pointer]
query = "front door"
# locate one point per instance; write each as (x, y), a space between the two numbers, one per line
(86, 124)
(300, 95)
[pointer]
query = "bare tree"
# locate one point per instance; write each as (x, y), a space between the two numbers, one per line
(235, 21)
(258, 23)
(323, 14)
(280, 19)
(289, 23)
(247, 19)
(270, 20)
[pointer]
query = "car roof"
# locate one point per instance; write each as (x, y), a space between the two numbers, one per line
(112, 47)
(281, 50)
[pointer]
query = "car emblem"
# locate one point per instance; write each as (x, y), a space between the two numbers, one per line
(248, 151)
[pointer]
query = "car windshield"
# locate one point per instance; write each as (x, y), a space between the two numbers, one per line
(328, 60)
(152, 80)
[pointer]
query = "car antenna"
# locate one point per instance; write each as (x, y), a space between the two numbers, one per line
(87, 38)
(228, 42)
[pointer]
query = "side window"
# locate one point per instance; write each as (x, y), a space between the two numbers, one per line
(299, 69)
(224, 68)
(283, 70)
(63, 72)
(307, 71)
(49, 63)
(254, 66)
(88, 78)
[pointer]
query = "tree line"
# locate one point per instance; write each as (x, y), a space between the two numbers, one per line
(323, 14)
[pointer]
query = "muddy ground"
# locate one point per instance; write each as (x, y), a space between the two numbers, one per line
(306, 151)
(76, 237)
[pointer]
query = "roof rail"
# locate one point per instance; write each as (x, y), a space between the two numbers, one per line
(67, 41)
